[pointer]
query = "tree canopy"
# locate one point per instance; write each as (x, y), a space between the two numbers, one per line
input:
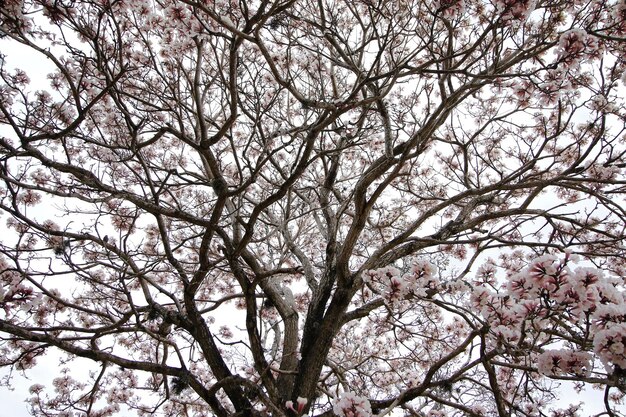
(323, 207)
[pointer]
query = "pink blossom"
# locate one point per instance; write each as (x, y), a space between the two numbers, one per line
(349, 404)
(575, 46)
(558, 362)
(515, 10)
(610, 344)
(450, 8)
(29, 198)
(607, 314)
(301, 403)
(420, 281)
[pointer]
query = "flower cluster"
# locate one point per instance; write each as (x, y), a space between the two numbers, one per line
(549, 288)
(575, 45)
(619, 15)
(603, 173)
(610, 344)
(559, 362)
(451, 8)
(576, 292)
(396, 286)
(348, 404)
(515, 10)
(13, 292)
(13, 16)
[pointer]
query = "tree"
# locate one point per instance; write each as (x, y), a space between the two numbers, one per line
(348, 207)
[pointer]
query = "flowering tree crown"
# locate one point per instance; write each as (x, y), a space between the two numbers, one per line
(350, 207)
